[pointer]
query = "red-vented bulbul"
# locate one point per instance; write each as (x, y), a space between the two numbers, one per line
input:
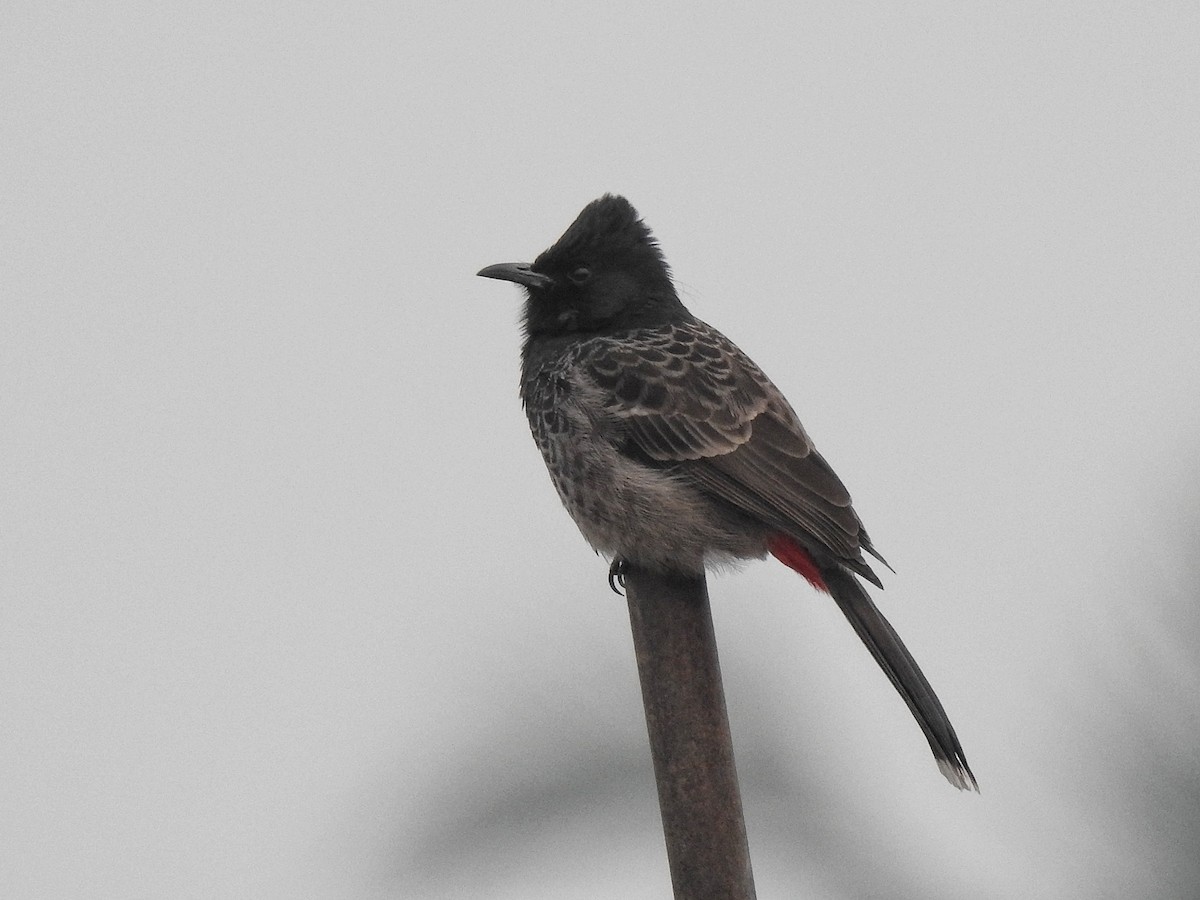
(672, 450)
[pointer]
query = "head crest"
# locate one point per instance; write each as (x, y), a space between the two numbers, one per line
(607, 227)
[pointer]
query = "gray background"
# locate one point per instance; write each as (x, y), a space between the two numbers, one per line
(288, 607)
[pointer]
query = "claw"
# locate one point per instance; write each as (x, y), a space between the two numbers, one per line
(616, 576)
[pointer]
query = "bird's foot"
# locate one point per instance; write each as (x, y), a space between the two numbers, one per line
(616, 576)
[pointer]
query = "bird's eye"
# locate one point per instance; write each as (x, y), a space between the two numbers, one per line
(580, 274)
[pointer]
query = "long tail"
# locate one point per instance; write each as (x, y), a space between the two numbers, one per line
(893, 657)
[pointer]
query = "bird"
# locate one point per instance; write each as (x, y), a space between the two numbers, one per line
(672, 450)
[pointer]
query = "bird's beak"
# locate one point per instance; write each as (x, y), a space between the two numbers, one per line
(520, 273)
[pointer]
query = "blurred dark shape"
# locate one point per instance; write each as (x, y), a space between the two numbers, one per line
(1117, 814)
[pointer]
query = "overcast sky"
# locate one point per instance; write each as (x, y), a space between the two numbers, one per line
(288, 607)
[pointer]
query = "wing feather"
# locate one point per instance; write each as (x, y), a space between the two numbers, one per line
(685, 397)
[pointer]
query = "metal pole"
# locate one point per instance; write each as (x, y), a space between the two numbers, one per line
(689, 736)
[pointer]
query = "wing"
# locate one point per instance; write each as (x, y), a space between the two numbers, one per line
(685, 397)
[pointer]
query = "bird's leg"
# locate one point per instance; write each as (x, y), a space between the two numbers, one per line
(616, 575)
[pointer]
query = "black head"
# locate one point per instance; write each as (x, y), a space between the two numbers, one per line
(606, 272)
